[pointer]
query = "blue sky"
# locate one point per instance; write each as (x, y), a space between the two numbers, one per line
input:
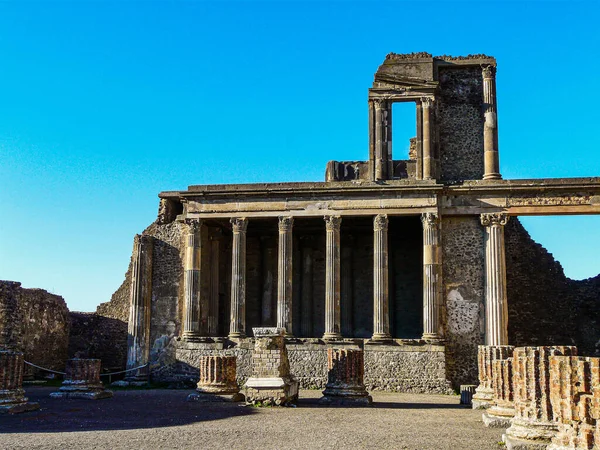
(105, 104)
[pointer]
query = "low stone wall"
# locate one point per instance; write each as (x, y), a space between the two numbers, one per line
(34, 322)
(416, 368)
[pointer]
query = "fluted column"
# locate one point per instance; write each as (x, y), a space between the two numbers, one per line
(237, 327)
(431, 276)
(428, 163)
(138, 332)
(284, 275)
(213, 307)
(332, 278)
(491, 160)
(496, 306)
(381, 317)
(306, 297)
(191, 318)
(347, 303)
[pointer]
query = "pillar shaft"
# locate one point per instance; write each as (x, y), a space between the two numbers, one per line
(428, 162)
(237, 327)
(347, 288)
(381, 317)
(332, 278)
(496, 306)
(138, 333)
(490, 127)
(268, 304)
(193, 251)
(213, 309)
(306, 296)
(431, 276)
(284, 275)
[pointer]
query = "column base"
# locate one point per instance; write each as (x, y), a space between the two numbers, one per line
(432, 337)
(237, 335)
(380, 338)
(17, 408)
(492, 176)
(191, 336)
(332, 337)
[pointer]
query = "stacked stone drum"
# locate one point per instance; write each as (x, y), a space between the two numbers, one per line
(345, 378)
(503, 407)
(12, 395)
(484, 394)
(82, 380)
(217, 380)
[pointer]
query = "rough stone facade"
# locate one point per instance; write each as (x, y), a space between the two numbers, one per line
(36, 323)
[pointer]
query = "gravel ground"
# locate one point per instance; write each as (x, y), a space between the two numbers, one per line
(161, 418)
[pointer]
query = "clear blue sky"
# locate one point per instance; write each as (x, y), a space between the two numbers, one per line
(103, 105)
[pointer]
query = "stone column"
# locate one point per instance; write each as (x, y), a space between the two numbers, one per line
(217, 380)
(486, 355)
(502, 407)
(432, 276)
(237, 327)
(284, 275)
(193, 251)
(332, 278)
(268, 272)
(428, 163)
(381, 316)
(306, 297)
(496, 305)
(533, 425)
(213, 307)
(490, 127)
(138, 333)
(12, 395)
(347, 288)
(82, 380)
(345, 378)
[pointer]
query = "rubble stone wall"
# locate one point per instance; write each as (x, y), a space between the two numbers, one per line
(34, 322)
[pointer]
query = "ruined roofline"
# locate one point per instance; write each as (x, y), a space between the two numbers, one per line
(471, 58)
(539, 184)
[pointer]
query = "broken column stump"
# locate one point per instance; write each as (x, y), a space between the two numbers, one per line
(82, 380)
(271, 383)
(575, 399)
(12, 395)
(217, 380)
(503, 407)
(484, 393)
(345, 378)
(533, 425)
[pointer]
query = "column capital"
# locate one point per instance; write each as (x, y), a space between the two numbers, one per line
(488, 71)
(380, 222)
(494, 219)
(332, 223)
(239, 224)
(430, 219)
(427, 101)
(193, 225)
(285, 223)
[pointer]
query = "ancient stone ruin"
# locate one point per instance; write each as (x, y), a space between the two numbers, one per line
(82, 380)
(345, 378)
(12, 395)
(217, 380)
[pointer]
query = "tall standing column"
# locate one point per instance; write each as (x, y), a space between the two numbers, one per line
(491, 160)
(237, 327)
(191, 319)
(428, 163)
(347, 305)
(284, 275)
(496, 306)
(138, 333)
(431, 276)
(306, 317)
(381, 316)
(332, 278)
(213, 308)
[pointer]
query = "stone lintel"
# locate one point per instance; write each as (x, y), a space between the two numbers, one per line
(268, 332)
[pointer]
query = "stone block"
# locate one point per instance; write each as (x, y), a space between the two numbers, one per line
(82, 380)
(533, 425)
(486, 354)
(12, 395)
(345, 378)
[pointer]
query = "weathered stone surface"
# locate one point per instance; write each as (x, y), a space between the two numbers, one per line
(12, 395)
(271, 382)
(82, 380)
(345, 378)
(36, 323)
(486, 356)
(502, 408)
(575, 399)
(533, 425)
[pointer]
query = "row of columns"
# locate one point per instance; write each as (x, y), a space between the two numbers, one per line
(496, 304)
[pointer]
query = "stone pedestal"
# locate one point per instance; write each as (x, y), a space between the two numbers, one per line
(345, 378)
(217, 380)
(533, 425)
(12, 395)
(486, 354)
(271, 383)
(466, 394)
(503, 407)
(575, 399)
(82, 380)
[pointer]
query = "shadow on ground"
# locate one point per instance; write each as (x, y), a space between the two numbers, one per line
(135, 409)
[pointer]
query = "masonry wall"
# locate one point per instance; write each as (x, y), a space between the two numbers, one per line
(35, 322)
